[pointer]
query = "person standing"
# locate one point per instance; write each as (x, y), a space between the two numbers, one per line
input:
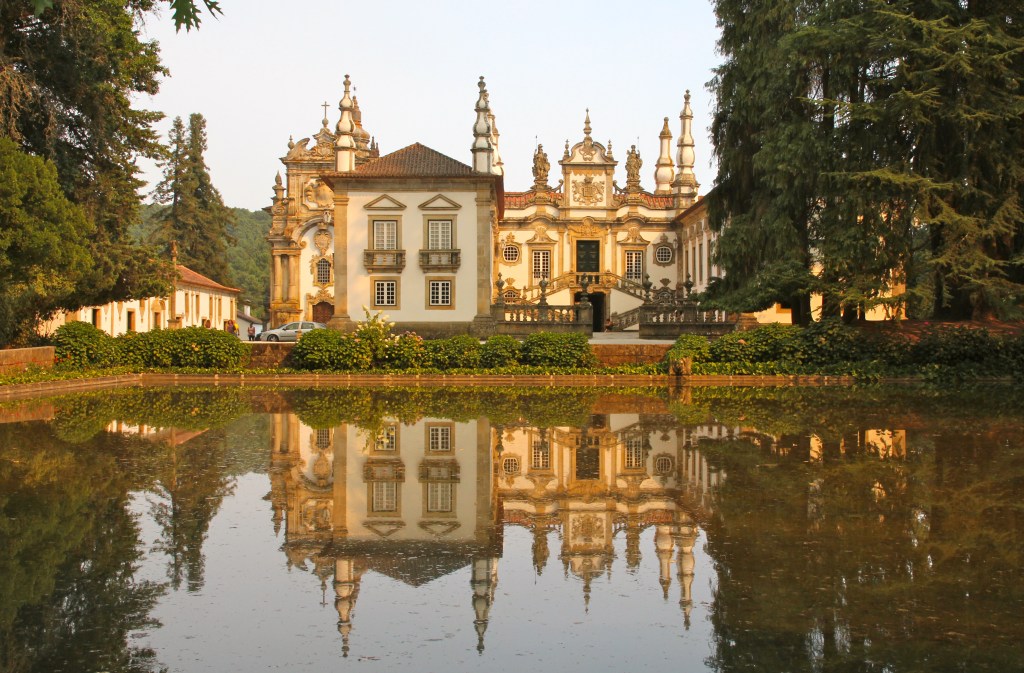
(252, 331)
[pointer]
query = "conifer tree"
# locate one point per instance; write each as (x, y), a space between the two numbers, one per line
(866, 144)
(194, 214)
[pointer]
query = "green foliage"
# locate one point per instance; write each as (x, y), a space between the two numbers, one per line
(249, 258)
(954, 345)
(823, 342)
(405, 351)
(70, 77)
(79, 344)
(194, 217)
(458, 352)
(864, 147)
(500, 350)
(44, 250)
(552, 349)
(325, 349)
(691, 346)
(197, 347)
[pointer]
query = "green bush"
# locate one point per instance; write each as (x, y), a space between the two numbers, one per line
(405, 351)
(823, 343)
(158, 348)
(200, 347)
(551, 349)
(457, 352)
(500, 350)
(79, 344)
(952, 346)
(693, 346)
(318, 349)
(766, 343)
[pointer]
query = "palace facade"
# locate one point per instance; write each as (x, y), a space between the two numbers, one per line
(436, 243)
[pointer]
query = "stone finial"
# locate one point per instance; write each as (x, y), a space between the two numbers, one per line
(345, 143)
(483, 150)
(686, 182)
(664, 173)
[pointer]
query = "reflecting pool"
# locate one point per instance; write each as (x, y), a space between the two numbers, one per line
(468, 529)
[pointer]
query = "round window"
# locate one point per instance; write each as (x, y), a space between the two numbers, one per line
(663, 465)
(510, 465)
(510, 254)
(663, 254)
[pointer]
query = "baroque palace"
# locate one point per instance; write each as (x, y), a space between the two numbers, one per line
(442, 248)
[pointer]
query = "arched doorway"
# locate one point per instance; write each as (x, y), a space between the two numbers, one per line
(323, 312)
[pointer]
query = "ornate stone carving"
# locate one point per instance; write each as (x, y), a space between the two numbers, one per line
(541, 167)
(633, 165)
(316, 195)
(588, 191)
(587, 229)
(322, 241)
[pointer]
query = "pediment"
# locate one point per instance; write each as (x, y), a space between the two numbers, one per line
(439, 202)
(384, 528)
(384, 202)
(439, 528)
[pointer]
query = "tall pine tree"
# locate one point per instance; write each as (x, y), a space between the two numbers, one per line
(194, 215)
(864, 144)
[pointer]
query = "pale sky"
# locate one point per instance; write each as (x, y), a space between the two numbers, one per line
(262, 71)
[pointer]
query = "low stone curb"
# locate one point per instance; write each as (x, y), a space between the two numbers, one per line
(44, 388)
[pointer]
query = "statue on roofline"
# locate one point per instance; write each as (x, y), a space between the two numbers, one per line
(541, 167)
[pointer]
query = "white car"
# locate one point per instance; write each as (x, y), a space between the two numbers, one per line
(290, 332)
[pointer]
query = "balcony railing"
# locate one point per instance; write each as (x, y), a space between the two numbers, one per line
(384, 260)
(440, 260)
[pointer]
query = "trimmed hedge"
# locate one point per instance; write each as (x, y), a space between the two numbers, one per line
(830, 347)
(551, 349)
(79, 344)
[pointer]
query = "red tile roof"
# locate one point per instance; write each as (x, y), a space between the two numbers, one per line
(416, 160)
(187, 276)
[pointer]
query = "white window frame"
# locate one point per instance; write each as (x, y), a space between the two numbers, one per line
(634, 265)
(439, 292)
(439, 496)
(541, 456)
(384, 498)
(440, 234)
(385, 293)
(540, 263)
(385, 234)
(634, 453)
(439, 438)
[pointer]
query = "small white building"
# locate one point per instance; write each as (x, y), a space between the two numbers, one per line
(197, 301)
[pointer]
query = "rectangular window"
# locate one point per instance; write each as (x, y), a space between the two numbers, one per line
(439, 234)
(131, 321)
(634, 454)
(541, 456)
(385, 496)
(385, 235)
(385, 293)
(387, 440)
(439, 497)
(440, 293)
(440, 438)
(635, 265)
(97, 318)
(541, 264)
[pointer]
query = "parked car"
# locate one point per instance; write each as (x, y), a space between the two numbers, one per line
(290, 332)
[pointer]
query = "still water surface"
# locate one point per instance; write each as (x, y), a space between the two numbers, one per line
(475, 529)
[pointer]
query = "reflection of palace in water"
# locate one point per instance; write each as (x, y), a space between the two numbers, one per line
(417, 501)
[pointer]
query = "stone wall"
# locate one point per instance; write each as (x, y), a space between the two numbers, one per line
(613, 355)
(269, 354)
(20, 359)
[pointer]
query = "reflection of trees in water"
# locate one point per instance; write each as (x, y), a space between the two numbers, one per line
(190, 483)
(68, 552)
(852, 562)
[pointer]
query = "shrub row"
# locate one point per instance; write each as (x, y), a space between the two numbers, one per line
(79, 344)
(831, 347)
(368, 349)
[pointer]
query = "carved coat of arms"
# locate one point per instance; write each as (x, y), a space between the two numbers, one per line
(588, 191)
